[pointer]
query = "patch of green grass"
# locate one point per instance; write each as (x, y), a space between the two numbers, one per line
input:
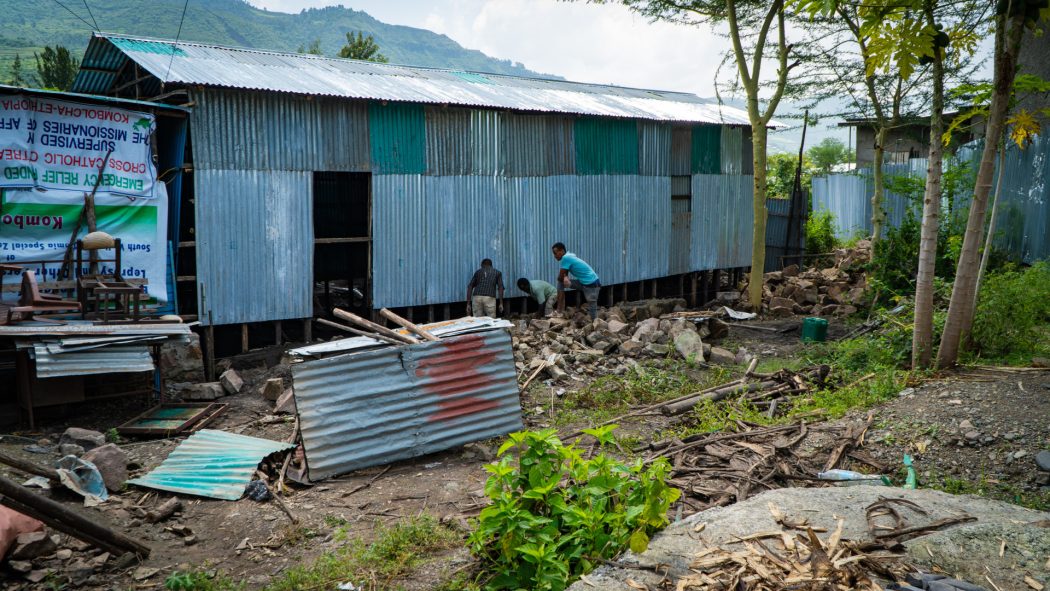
(201, 580)
(613, 395)
(395, 551)
(984, 487)
(335, 521)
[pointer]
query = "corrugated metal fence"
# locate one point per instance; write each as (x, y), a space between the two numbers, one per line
(1023, 212)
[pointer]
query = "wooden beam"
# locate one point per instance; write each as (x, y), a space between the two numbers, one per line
(360, 333)
(408, 325)
(350, 316)
(67, 521)
(244, 338)
(357, 240)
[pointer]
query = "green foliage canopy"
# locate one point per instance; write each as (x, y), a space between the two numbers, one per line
(359, 47)
(56, 68)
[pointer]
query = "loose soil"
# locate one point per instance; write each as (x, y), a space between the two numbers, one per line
(255, 542)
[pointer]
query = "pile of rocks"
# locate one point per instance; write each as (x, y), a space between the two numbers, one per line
(837, 290)
(612, 343)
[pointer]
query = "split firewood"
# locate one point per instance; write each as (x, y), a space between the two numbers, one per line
(164, 510)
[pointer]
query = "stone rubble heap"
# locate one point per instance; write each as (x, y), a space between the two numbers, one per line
(614, 342)
(837, 290)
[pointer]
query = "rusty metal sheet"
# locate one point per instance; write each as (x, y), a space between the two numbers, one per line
(212, 464)
(169, 419)
(379, 406)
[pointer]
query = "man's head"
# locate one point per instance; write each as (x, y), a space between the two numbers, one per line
(523, 284)
(559, 250)
(486, 262)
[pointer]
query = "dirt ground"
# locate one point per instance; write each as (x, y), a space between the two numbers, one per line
(254, 542)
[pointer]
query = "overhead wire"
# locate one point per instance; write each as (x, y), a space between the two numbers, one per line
(80, 18)
(178, 34)
(92, 16)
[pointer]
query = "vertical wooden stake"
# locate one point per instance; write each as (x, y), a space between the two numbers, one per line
(308, 330)
(446, 314)
(244, 338)
(692, 298)
(278, 336)
(430, 313)
(654, 289)
(209, 352)
(408, 314)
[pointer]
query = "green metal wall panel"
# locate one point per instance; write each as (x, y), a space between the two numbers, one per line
(397, 133)
(707, 149)
(606, 146)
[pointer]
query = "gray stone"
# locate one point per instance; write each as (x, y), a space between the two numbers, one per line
(64, 554)
(781, 312)
(689, 346)
(231, 381)
(646, 329)
(38, 575)
(966, 425)
(631, 347)
(112, 463)
(272, 389)
(617, 327)
(1020, 454)
(657, 349)
(1042, 459)
(32, 545)
(85, 438)
(972, 435)
(540, 325)
(676, 546)
(144, 572)
(70, 449)
(20, 566)
(721, 356)
(206, 391)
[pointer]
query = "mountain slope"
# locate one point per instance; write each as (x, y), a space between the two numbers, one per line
(31, 24)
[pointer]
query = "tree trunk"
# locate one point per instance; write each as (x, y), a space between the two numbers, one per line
(758, 237)
(922, 334)
(961, 307)
(878, 216)
(991, 228)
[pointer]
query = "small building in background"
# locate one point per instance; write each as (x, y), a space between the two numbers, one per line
(317, 182)
(908, 140)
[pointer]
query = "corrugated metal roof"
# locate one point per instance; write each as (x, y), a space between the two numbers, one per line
(58, 94)
(255, 246)
(252, 69)
(375, 407)
(85, 328)
(53, 360)
(212, 464)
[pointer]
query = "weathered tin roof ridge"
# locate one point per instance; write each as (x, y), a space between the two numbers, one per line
(195, 63)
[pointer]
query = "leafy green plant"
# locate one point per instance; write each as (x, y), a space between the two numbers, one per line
(556, 514)
(820, 232)
(198, 580)
(1013, 311)
(112, 436)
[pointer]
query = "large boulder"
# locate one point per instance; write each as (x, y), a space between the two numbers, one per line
(722, 356)
(112, 463)
(646, 330)
(85, 438)
(689, 346)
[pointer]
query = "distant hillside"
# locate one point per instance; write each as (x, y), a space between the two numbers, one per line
(28, 25)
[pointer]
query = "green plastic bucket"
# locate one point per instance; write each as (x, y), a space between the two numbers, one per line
(814, 330)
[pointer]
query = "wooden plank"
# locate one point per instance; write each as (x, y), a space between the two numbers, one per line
(385, 313)
(360, 333)
(357, 240)
(66, 521)
(372, 326)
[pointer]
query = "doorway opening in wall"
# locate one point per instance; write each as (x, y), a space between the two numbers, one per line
(342, 242)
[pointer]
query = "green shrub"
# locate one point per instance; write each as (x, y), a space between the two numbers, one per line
(896, 259)
(1013, 312)
(556, 514)
(820, 232)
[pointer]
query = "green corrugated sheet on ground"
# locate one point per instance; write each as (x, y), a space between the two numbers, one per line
(397, 133)
(707, 149)
(606, 146)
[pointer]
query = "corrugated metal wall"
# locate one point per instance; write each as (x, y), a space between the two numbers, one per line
(848, 198)
(722, 222)
(254, 245)
(451, 186)
(261, 131)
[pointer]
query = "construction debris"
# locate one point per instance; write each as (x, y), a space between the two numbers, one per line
(836, 290)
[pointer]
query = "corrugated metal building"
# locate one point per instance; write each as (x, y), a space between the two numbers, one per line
(400, 179)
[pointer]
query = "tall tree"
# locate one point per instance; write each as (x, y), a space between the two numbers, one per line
(829, 152)
(1010, 20)
(18, 77)
(56, 68)
(756, 28)
(314, 49)
(360, 47)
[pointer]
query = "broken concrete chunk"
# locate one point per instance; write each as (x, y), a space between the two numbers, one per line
(70, 449)
(286, 403)
(85, 438)
(618, 327)
(182, 360)
(112, 463)
(20, 566)
(631, 347)
(206, 391)
(272, 389)
(231, 381)
(646, 329)
(32, 545)
(144, 572)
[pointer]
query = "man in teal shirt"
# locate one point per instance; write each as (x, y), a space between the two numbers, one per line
(544, 293)
(576, 274)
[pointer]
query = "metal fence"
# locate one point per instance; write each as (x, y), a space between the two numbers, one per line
(1021, 219)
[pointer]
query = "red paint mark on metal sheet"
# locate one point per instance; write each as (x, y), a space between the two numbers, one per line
(454, 373)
